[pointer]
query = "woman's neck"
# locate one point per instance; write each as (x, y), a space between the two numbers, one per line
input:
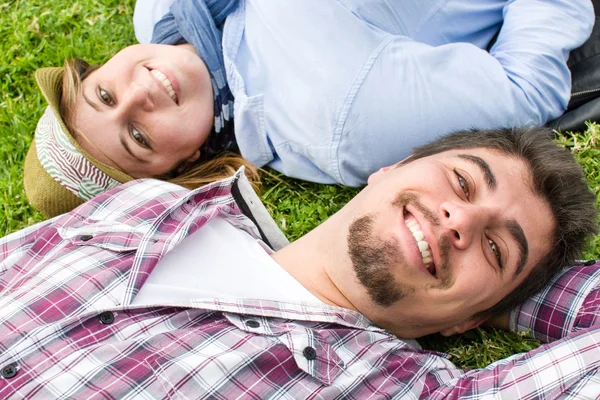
(189, 47)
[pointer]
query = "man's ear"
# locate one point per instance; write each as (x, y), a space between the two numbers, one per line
(375, 175)
(187, 163)
(464, 326)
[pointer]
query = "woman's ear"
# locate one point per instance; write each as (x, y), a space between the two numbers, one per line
(188, 162)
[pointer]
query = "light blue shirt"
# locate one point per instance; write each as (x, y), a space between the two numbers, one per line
(331, 91)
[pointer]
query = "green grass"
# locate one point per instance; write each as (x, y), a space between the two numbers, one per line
(35, 33)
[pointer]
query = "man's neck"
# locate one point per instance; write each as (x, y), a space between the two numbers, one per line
(309, 259)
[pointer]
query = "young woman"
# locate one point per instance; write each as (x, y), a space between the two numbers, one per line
(107, 125)
(322, 90)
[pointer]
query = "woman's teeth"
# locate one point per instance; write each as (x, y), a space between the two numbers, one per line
(417, 233)
(162, 78)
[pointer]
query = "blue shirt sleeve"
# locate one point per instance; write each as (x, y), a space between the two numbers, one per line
(533, 48)
(415, 92)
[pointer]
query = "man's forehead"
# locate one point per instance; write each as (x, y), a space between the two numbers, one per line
(495, 164)
(481, 152)
(525, 216)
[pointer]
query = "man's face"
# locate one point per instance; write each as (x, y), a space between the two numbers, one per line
(437, 240)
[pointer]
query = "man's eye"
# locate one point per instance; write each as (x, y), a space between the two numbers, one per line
(496, 249)
(464, 184)
(137, 136)
(105, 97)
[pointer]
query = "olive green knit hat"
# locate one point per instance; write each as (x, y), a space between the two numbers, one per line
(58, 174)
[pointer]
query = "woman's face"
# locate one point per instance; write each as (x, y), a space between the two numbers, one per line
(147, 110)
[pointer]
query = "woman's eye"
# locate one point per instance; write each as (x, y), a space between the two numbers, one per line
(496, 249)
(137, 136)
(464, 184)
(105, 97)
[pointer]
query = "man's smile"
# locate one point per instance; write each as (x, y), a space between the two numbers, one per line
(420, 232)
(422, 244)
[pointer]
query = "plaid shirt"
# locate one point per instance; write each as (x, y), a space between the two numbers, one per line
(570, 303)
(67, 329)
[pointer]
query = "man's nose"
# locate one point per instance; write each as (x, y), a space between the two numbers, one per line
(138, 97)
(461, 223)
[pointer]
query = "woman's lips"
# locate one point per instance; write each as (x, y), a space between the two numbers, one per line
(167, 82)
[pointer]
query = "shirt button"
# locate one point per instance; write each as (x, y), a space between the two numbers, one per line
(9, 371)
(252, 323)
(85, 238)
(106, 318)
(309, 353)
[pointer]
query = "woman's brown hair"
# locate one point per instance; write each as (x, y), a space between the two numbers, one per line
(197, 175)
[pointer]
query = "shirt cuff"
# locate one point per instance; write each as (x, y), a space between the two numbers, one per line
(552, 313)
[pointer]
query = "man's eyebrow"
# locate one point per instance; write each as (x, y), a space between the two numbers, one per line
(518, 235)
(490, 179)
(90, 102)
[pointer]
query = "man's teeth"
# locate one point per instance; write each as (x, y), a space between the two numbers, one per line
(417, 233)
(162, 78)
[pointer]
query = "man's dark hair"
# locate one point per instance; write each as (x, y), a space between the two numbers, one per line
(557, 178)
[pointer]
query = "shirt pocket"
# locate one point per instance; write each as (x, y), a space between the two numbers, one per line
(312, 354)
(257, 348)
(113, 236)
(250, 119)
(225, 354)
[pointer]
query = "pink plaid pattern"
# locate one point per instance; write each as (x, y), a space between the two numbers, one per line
(67, 329)
(569, 304)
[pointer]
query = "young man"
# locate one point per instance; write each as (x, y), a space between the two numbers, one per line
(154, 291)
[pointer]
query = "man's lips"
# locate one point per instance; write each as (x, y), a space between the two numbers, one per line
(422, 241)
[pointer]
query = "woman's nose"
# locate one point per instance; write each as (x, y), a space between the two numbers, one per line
(139, 97)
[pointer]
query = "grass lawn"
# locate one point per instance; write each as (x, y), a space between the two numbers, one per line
(36, 33)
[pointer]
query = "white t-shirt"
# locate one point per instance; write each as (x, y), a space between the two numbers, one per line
(220, 260)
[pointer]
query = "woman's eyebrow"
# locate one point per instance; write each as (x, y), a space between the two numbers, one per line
(128, 149)
(490, 178)
(121, 137)
(91, 103)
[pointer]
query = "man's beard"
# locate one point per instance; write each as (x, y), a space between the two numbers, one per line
(371, 259)
(374, 259)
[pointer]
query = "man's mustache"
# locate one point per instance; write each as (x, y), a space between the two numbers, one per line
(405, 198)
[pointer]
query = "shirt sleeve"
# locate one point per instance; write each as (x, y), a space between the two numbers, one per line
(524, 79)
(146, 14)
(533, 48)
(570, 303)
(566, 369)
(413, 92)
